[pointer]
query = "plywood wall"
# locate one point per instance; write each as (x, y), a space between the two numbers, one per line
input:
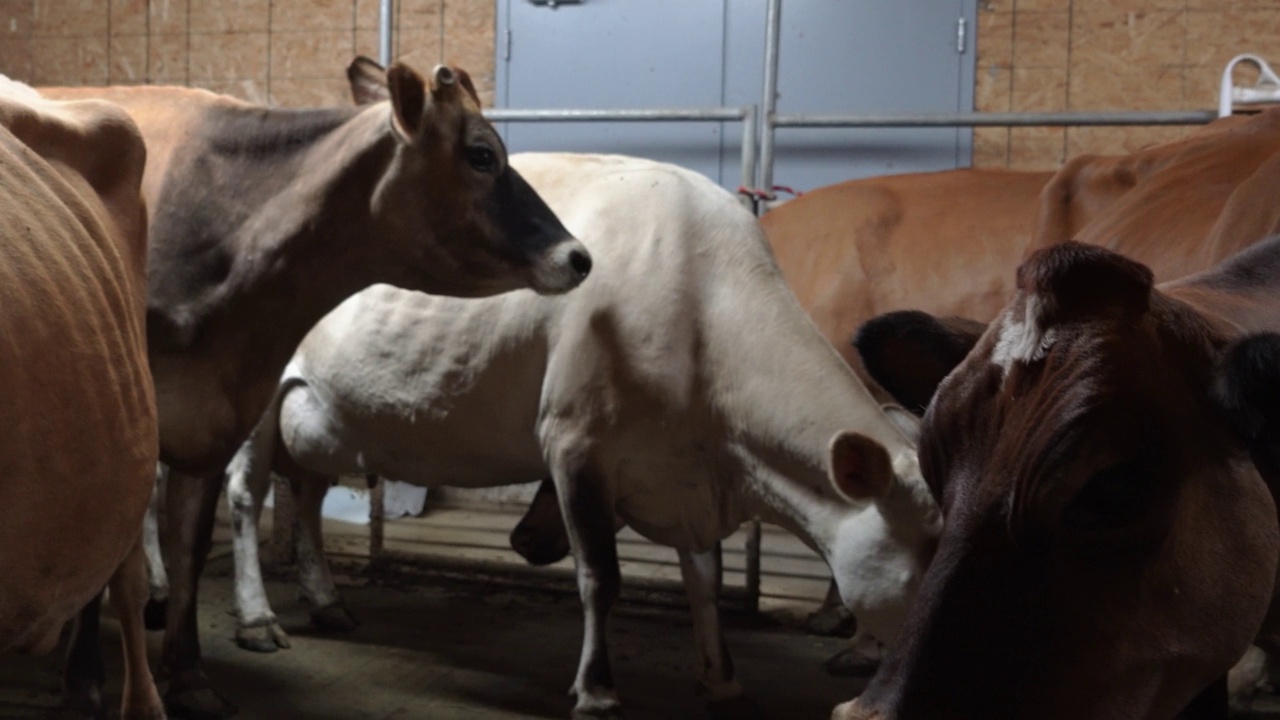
(1106, 55)
(1032, 54)
(287, 52)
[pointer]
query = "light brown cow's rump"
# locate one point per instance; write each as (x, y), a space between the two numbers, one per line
(78, 455)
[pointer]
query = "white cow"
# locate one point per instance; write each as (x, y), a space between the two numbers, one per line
(680, 387)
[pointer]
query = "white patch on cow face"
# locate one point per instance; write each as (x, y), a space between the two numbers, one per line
(1023, 339)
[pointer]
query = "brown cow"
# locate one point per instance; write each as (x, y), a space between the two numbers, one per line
(1179, 208)
(1106, 460)
(262, 221)
(80, 443)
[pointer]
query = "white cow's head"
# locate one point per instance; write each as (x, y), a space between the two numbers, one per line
(881, 551)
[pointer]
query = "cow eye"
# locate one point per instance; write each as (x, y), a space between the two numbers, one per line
(482, 158)
(1113, 498)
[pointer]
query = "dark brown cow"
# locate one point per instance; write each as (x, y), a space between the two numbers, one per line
(80, 437)
(1105, 458)
(262, 221)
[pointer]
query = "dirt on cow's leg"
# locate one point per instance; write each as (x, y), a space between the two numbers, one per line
(83, 672)
(129, 593)
(588, 512)
(540, 536)
(190, 505)
(314, 579)
(703, 574)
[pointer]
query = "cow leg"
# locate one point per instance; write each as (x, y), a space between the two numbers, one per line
(314, 578)
(832, 618)
(258, 630)
(129, 594)
(589, 519)
(190, 505)
(702, 573)
(158, 602)
(83, 671)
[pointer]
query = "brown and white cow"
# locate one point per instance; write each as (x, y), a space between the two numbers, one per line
(263, 220)
(681, 389)
(1106, 460)
(80, 442)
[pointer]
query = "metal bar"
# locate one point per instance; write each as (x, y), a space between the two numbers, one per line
(377, 505)
(626, 115)
(769, 104)
(752, 599)
(749, 129)
(384, 32)
(1056, 119)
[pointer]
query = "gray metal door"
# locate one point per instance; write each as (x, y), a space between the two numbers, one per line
(614, 54)
(837, 56)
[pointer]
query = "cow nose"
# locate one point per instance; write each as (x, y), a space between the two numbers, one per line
(580, 262)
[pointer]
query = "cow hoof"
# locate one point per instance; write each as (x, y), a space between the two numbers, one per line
(155, 614)
(262, 637)
(735, 708)
(850, 663)
(198, 704)
(335, 618)
(833, 622)
(600, 705)
(847, 711)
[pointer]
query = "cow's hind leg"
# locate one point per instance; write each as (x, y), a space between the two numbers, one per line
(129, 594)
(190, 505)
(83, 671)
(702, 573)
(540, 537)
(588, 513)
(158, 601)
(314, 578)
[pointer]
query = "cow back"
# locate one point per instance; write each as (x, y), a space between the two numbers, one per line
(81, 440)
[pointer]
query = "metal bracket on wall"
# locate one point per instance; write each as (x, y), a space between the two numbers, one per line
(553, 4)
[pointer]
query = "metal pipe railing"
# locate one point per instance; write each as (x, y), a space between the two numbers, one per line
(385, 10)
(747, 115)
(1075, 118)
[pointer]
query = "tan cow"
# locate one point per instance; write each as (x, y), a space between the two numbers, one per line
(80, 443)
(941, 242)
(263, 220)
(1179, 208)
(1106, 458)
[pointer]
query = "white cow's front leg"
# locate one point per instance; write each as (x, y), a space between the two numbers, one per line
(702, 578)
(157, 577)
(247, 483)
(588, 514)
(314, 579)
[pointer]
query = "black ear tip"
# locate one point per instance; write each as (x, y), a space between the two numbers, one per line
(1248, 383)
(889, 326)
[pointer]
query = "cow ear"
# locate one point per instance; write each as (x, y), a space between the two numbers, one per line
(1247, 388)
(909, 352)
(368, 81)
(860, 467)
(408, 99)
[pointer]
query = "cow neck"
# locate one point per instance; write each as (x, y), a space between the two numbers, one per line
(783, 397)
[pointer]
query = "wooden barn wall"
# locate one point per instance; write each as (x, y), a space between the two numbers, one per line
(1106, 55)
(1032, 54)
(287, 52)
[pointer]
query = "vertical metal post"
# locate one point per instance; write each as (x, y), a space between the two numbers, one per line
(752, 600)
(377, 504)
(769, 106)
(284, 527)
(749, 129)
(385, 10)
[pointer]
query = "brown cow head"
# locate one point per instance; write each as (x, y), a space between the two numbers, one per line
(449, 179)
(1109, 544)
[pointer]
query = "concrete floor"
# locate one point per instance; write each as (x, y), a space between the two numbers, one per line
(463, 650)
(469, 632)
